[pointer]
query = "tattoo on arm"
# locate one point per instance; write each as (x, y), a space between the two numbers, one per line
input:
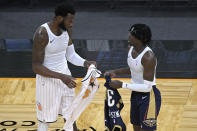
(40, 41)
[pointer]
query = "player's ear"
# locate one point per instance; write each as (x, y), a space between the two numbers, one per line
(59, 18)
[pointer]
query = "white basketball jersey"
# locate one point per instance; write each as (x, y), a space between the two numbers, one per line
(89, 87)
(52, 92)
(55, 52)
(136, 67)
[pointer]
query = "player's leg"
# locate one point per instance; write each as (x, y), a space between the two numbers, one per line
(47, 101)
(134, 112)
(136, 128)
(149, 110)
(43, 126)
(146, 121)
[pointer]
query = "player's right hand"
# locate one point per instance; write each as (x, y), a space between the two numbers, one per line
(110, 73)
(69, 81)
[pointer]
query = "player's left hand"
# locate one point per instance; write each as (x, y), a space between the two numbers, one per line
(116, 84)
(88, 63)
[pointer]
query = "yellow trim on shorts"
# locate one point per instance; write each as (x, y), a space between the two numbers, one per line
(151, 114)
(118, 127)
(107, 129)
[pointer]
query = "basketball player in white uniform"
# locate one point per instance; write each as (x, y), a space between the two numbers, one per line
(52, 49)
(145, 98)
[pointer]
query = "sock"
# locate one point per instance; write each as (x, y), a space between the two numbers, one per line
(43, 126)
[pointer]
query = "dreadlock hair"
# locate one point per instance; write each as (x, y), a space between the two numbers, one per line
(142, 32)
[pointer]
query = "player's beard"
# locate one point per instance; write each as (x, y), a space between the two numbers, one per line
(62, 26)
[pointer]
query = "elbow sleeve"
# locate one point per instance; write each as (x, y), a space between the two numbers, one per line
(146, 87)
(73, 57)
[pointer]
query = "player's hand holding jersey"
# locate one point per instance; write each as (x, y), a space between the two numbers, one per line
(68, 80)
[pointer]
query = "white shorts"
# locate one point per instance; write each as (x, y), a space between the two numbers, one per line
(52, 96)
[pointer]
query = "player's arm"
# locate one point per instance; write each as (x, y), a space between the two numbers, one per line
(40, 41)
(149, 63)
(73, 57)
(121, 71)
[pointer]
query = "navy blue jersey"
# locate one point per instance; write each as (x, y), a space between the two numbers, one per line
(113, 106)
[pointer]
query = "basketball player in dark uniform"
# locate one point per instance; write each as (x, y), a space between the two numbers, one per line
(145, 98)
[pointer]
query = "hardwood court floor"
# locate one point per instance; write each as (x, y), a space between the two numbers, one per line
(178, 111)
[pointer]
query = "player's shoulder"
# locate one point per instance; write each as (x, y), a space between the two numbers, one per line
(130, 47)
(149, 56)
(40, 38)
(41, 34)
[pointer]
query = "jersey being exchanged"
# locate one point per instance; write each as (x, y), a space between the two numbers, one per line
(89, 87)
(113, 106)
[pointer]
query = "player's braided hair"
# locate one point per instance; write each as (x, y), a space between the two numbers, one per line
(64, 8)
(142, 32)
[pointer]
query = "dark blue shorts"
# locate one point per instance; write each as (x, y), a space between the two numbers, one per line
(145, 108)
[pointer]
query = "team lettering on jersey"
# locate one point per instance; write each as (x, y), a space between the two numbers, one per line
(113, 107)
